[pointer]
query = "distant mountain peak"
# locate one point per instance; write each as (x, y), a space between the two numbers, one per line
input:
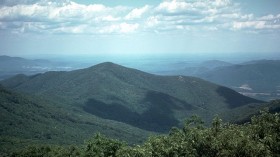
(108, 66)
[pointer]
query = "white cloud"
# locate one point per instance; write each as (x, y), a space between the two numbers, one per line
(109, 18)
(137, 13)
(174, 6)
(59, 17)
(193, 7)
(267, 17)
(128, 28)
(152, 21)
(270, 17)
(194, 15)
(72, 29)
(260, 25)
(53, 11)
(119, 28)
(221, 3)
(264, 23)
(65, 16)
(249, 24)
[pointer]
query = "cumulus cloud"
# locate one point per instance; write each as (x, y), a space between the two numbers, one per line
(66, 16)
(269, 22)
(270, 17)
(198, 7)
(122, 28)
(193, 15)
(137, 13)
(258, 25)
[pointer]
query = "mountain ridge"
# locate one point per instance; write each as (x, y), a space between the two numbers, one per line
(260, 76)
(258, 79)
(141, 96)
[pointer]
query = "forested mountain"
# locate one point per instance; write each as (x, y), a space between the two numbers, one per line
(147, 101)
(67, 107)
(258, 79)
(26, 120)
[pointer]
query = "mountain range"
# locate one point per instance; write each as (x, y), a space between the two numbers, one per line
(147, 101)
(257, 79)
(10, 66)
(69, 106)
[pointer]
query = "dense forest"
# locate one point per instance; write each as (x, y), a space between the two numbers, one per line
(259, 137)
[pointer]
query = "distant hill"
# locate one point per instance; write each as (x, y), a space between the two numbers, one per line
(212, 64)
(195, 70)
(26, 119)
(10, 66)
(140, 99)
(259, 79)
(262, 61)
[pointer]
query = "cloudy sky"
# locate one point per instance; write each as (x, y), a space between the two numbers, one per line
(133, 27)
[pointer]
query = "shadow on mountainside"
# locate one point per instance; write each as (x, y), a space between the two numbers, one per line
(158, 117)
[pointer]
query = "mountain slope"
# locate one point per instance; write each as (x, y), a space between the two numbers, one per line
(26, 119)
(127, 95)
(261, 77)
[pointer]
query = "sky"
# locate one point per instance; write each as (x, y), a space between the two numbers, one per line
(138, 27)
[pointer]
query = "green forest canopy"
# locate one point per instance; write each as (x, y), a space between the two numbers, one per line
(259, 137)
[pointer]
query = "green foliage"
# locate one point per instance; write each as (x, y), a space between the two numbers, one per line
(27, 120)
(100, 146)
(47, 151)
(266, 128)
(260, 138)
(256, 139)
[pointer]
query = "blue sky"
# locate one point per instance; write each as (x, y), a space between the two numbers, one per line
(138, 27)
